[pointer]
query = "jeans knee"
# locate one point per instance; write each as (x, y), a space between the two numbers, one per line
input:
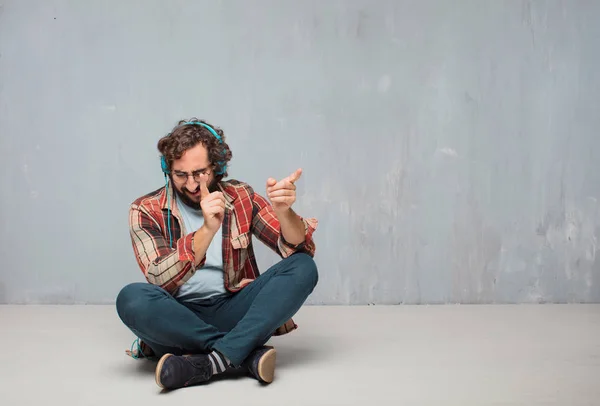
(308, 268)
(130, 299)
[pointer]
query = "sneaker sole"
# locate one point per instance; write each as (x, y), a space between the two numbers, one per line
(266, 366)
(159, 368)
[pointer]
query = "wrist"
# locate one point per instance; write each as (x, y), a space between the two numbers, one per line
(202, 239)
(282, 212)
(206, 232)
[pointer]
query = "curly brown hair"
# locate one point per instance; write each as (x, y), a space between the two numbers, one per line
(185, 136)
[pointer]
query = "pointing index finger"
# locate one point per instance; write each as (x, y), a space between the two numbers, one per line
(295, 176)
(203, 187)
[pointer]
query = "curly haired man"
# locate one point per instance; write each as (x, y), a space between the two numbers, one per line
(206, 308)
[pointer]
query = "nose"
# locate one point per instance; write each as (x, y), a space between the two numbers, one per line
(191, 184)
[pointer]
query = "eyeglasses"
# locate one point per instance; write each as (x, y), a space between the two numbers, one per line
(182, 177)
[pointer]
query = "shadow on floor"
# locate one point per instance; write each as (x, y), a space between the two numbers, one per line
(289, 356)
(308, 353)
(144, 366)
(233, 375)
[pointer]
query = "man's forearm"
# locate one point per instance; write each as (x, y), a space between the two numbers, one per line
(292, 227)
(202, 239)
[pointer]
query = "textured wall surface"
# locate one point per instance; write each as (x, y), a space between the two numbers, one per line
(450, 149)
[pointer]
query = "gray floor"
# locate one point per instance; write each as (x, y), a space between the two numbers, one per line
(410, 355)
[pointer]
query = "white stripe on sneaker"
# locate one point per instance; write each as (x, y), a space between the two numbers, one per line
(218, 362)
(221, 363)
(213, 363)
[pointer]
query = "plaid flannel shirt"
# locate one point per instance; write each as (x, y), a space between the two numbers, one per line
(246, 213)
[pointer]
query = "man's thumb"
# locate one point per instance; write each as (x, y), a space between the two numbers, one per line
(271, 182)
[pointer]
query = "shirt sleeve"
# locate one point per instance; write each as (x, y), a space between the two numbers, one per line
(162, 265)
(266, 227)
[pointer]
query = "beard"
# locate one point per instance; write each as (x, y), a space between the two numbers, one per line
(185, 194)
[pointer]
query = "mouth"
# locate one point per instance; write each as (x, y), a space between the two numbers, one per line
(195, 194)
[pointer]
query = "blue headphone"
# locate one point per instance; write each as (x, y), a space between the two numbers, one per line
(165, 168)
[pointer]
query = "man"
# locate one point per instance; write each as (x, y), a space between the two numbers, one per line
(206, 308)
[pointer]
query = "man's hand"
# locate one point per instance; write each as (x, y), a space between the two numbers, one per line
(213, 207)
(282, 194)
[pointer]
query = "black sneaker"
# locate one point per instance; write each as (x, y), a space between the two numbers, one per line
(261, 363)
(174, 371)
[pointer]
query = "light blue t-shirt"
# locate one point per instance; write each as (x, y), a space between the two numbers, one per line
(207, 281)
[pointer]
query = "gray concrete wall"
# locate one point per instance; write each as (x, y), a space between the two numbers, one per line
(449, 148)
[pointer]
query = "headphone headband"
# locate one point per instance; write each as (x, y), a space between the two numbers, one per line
(209, 128)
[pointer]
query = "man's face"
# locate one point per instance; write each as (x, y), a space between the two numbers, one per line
(187, 187)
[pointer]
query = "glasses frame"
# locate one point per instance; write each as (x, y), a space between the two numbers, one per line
(178, 176)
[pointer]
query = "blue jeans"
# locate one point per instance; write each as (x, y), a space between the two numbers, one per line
(233, 325)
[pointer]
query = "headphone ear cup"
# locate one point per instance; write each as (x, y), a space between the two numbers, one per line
(163, 165)
(223, 164)
(223, 169)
